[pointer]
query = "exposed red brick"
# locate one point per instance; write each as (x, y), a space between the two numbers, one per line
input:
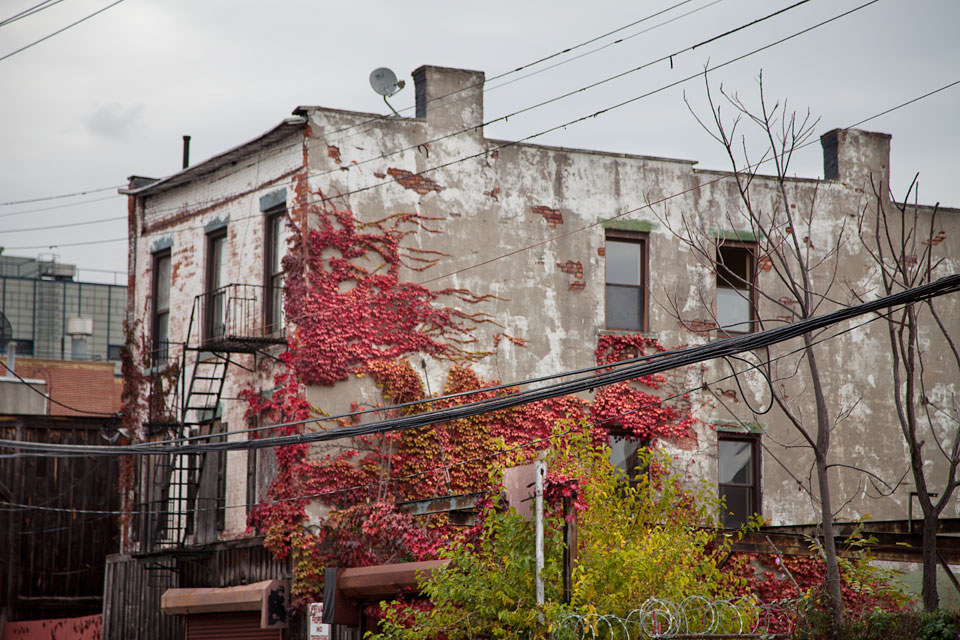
(571, 267)
(701, 325)
(493, 193)
(552, 216)
(81, 385)
(576, 270)
(379, 174)
(414, 181)
(601, 251)
(333, 153)
(765, 263)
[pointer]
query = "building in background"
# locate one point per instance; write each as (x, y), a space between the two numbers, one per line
(60, 383)
(51, 315)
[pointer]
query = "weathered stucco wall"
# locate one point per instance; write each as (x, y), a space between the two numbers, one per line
(549, 203)
(546, 207)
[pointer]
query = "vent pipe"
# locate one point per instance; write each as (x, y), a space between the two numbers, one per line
(186, 151)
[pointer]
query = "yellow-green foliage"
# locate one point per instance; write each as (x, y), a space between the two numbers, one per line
(653, 538)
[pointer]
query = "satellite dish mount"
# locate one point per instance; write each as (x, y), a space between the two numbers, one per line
(384, 81)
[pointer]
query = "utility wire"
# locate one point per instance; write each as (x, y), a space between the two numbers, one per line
(491, 79)
(63, 195)
(26, 13)
(59, 31)
(59, 206)
(438, 469)
(485, 152)
(671, 360)
(61, 226)
(57, 245)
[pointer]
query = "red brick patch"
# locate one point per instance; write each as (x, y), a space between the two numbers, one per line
(701, 325)
(552, 216)
(333, 153)
(493, 193)
(413, 181)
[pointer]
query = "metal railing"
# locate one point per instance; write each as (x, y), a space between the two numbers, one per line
(237, 315)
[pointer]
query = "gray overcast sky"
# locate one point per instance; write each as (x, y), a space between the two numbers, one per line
(112, 96)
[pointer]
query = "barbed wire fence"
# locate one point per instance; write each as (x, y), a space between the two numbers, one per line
(694, 617)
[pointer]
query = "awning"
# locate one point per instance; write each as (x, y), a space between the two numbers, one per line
(269, 597)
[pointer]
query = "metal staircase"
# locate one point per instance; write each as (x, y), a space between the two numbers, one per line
(227, 316)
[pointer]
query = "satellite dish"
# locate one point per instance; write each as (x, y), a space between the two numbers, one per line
(384, 82)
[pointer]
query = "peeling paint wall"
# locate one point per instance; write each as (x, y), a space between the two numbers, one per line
(546, 207)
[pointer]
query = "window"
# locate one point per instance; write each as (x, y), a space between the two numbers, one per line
(624, 453)
(735, 287)
(738, 462)
(626, 278)
(161, 306)
(215, 306)
(275, 242)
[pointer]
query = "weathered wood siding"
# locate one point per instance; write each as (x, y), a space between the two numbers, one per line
(53, 553)
(134, 585)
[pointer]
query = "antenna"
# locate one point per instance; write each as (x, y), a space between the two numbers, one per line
(384, 81)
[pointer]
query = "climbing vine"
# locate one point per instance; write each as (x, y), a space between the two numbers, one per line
(355, 316)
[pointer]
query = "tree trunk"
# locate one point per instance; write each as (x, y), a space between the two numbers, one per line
(834, 593)
(931, 598)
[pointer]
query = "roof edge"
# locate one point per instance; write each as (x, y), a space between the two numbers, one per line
(284, 128)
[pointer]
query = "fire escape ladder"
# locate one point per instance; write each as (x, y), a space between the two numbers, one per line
(227, 320)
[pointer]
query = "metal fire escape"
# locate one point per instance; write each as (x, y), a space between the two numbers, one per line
(184, 499)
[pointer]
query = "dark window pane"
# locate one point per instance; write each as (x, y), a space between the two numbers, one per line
(736, 461)
(734, 267)
(738, 505)
(624, 307)
(623, 262)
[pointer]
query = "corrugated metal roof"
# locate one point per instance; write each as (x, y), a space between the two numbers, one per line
(282, 130)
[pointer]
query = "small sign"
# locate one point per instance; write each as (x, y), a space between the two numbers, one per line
(318, 630)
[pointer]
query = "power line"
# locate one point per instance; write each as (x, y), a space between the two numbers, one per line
(491, 79)
(67, 244)
(203, 203)
(61, 226)
(26, 13)
(59, 31)
(58, 206)
(437, 469)
(62, 195)
(670, 360)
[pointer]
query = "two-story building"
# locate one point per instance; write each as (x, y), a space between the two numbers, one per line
(556, 247)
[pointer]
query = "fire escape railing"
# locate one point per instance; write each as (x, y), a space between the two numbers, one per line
(235, 319)
(186, 381)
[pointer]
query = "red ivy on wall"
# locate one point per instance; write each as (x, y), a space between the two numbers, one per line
(354, 315)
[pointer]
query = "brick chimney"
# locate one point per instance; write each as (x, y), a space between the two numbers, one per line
(860, 159)
(449, 99)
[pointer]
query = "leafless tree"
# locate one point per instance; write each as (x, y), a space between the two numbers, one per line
(902, 240)
(800, 277)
